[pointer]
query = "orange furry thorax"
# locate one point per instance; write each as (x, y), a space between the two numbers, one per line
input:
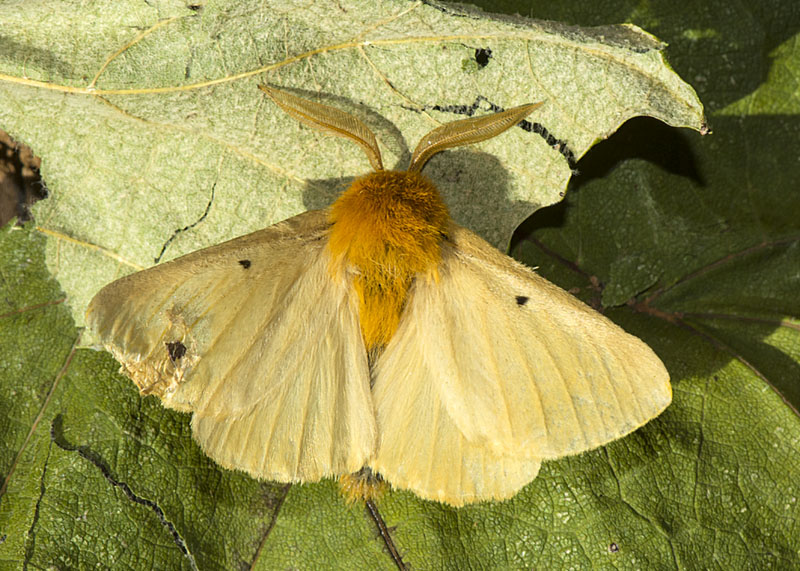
(388, 226)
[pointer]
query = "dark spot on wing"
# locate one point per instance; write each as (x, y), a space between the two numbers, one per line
(482, 56)
(522, 299)
(176, 350)
(245, 264)
(613, 548)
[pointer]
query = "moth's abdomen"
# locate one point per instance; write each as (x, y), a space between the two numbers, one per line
(388, 226)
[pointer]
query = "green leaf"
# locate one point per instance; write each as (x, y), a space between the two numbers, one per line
(157, 142)
(688, 242)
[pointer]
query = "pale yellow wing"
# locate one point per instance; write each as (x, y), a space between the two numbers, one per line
(521, 368)
(422, 449)
(258, 340)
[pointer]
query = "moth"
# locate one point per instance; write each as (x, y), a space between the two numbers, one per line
(379, 337)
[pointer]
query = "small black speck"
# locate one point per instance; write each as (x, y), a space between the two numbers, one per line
(482, 56)
(522, 299)
(613, 548)
(176, 350)
(245, 264)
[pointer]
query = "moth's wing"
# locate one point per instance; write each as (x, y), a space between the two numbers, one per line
(422, 449)
(257, 338)
(517, 366)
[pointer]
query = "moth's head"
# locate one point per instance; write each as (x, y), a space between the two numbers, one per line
(449, 135)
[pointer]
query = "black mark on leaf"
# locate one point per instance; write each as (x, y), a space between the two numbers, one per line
(189, 226)
(57, 437)
(30, 548)
(482, 56)
(245, 264)
(522, 299)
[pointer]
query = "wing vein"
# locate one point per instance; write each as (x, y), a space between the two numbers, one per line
(434, 434)
(218, 286)
(565, 386)
(276, 417)
(337, 398)
(613, 386)
(536, 390)
(167, 297)
(633, 392)
(496, 365)
(304, 425)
